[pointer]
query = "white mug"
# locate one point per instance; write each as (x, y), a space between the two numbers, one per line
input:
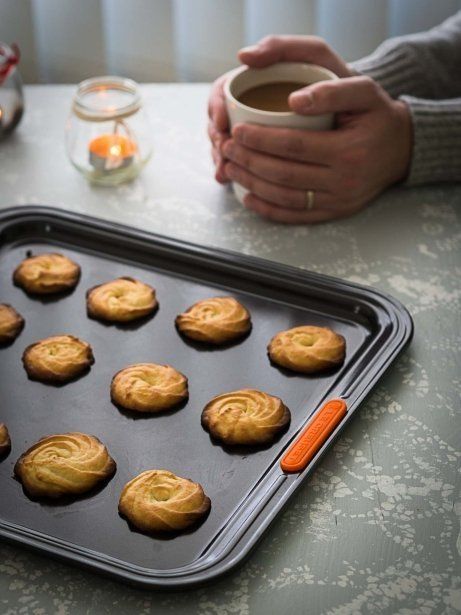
(245, 78)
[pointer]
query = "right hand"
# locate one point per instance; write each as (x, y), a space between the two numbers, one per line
(269, 50)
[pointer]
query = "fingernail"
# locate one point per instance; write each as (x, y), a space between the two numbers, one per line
(303, 101)
(250, 49)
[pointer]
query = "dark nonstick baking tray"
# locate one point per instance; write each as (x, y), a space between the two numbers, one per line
(247, 488)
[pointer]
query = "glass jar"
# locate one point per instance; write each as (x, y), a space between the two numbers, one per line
(11, 98)
(108, 136)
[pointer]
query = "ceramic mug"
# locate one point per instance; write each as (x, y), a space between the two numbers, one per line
(244, 78)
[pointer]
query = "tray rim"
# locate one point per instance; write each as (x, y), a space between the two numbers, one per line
(201, 571)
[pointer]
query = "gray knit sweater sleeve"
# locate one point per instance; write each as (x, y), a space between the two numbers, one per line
(424, 70)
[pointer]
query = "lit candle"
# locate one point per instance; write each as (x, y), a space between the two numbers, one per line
(112, 151)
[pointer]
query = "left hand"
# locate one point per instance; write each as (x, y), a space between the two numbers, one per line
(218, 126)
(369, 150)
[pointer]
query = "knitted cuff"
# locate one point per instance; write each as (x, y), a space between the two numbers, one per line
(436, 140)
(395, 68)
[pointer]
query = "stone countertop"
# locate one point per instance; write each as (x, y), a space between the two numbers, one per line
(377, 527)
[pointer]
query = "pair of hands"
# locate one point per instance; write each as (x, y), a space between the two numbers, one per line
(369, 149)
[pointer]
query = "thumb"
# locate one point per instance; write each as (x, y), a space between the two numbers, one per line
(258, 56)
(279, 48)
(349, 94)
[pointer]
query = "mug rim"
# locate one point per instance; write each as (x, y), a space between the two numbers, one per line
(331, 76)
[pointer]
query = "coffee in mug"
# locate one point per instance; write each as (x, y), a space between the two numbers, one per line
(270, 96)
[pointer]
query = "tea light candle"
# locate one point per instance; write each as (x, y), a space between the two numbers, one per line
(111, 151)
(107, 134)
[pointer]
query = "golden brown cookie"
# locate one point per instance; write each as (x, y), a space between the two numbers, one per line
(46, 274)
(160, 501)
(246, 416)
(216, 320)
(57, 359)
(5, 442)
(121, 300)
(64, 464)
(148, 387)
(11, 323)
(307, 349)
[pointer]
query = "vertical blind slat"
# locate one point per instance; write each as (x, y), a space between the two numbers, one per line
(263, 17)
(207, 36)
(353, 28)
(69, 38)
(419, 15)
(138, 37)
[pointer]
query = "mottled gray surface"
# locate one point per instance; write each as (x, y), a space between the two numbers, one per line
(377, 529)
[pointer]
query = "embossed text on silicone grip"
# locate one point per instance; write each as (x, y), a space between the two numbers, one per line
(303, 450)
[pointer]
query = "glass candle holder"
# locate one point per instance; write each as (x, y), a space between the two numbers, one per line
(108, 136)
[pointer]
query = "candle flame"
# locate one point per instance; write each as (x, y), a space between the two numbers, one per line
(115, 150)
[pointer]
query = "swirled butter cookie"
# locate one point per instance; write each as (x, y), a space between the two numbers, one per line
(11, 323)
(216, 320)
(5, 442)
(64, 464)
(160, 501)
(246, 416)
(57, 359)
(121, 300)
(46, 274)
(148, 387)
(307, 349)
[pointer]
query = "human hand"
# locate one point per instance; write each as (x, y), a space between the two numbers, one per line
(218, 126)
(269, 50)
(369, 150)
(345, 168)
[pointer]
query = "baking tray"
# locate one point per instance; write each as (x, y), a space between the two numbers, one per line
(247, 488)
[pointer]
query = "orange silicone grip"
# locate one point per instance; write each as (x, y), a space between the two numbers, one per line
(303, 450)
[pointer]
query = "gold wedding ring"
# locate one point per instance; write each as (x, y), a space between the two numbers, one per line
(310, 198)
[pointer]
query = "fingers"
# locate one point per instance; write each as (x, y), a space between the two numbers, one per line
(220, 174)
(218, 127)
(217, 106)
(294, 216)
(290, 48)
(217, 140)
(351, 94)
(283, 196)
(299, 145)
(216, 137)
(277, 170)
